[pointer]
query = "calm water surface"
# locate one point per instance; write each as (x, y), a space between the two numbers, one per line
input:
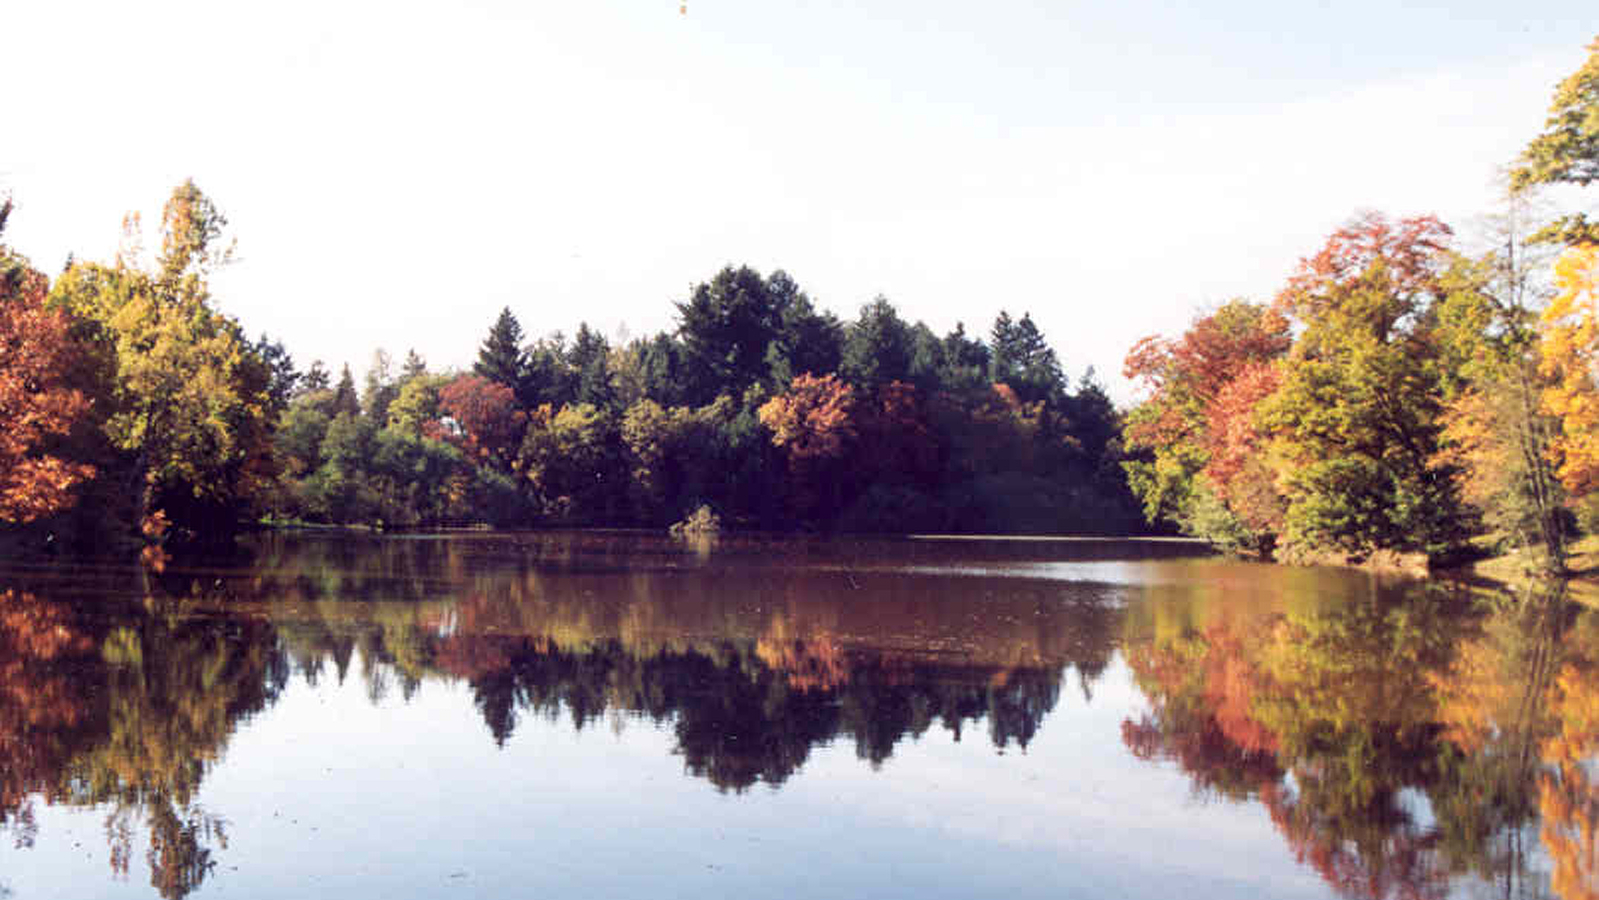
(601, 715)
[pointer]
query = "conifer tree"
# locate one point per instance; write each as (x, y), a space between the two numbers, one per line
(345, 399)
(501, 358)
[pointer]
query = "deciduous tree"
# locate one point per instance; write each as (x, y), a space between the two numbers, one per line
(490, 423)
(812, 420)
(1356, 420)
(1567, 152)
(190, 399)
(36, 405)
(1569, 353)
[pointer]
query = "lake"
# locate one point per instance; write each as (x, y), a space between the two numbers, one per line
(597, 714)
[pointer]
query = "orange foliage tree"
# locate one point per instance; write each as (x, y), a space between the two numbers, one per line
(35, 404)
(1568, 354)
(812, 422)
(1197, 431)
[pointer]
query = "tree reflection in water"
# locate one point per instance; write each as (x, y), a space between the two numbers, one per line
(127, 702)
(127, 711)
(1400, 737)
(1399, 741)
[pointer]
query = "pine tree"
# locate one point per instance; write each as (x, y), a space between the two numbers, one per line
(414, 365)
(1023, 360)
(316, 379)
(345, 400)
(877, 347)
(501, 358)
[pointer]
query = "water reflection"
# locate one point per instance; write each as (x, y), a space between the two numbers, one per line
(1404, 739)
(1400, 739)
(126, 711)
(752, 664)
(120, 689)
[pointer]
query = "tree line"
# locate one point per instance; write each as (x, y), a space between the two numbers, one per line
(135, 406)
(1396, 394)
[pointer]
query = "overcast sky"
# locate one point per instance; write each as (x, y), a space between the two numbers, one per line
(397, 172)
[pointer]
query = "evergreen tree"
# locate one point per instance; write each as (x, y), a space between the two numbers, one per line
(381, 388)
(727, 327)
(550, 377)
(965, 362)
(502, 359)
(1024, 361)
(414, 365)
(285, 378)
(589, 360)
(345, 399)
(663, 365)
(316, 379)
(807, 342)
(877, 347)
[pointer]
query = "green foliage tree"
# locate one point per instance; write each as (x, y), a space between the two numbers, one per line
(567, 458)
(189, 399)
(727, 326)
(503, 359)
(345, 400)
(416, 405)
(1567, 152)
(877, 347)
(381, 388)
(299, 435)
(1357, 417)
(1021, 358)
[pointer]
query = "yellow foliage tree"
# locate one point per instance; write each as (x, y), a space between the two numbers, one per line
(1569, 355)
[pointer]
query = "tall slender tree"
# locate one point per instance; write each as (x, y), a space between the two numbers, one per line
(502, 358)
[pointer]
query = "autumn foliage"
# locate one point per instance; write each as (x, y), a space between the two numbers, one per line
(813, 419)
(1569, 354)
(36, 405)
(490, 425)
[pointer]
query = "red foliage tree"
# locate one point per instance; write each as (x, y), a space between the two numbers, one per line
(490, 424)
(1186, 376)
(1410, 250)
(35, 404)
(1236, 444)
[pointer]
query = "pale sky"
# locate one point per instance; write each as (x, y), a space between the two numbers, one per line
(397, 172)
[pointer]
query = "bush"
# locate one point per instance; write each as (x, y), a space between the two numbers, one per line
(702, 521)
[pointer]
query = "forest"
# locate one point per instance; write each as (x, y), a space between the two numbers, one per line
(1397, 394)
(140, 408)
